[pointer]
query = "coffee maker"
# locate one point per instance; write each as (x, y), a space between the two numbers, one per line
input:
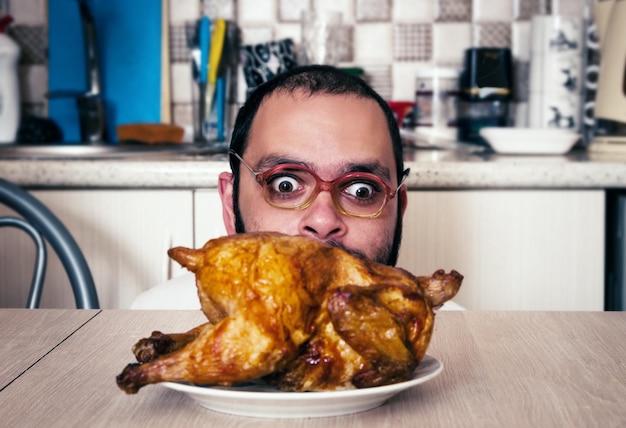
(610, 102)
(485, 92)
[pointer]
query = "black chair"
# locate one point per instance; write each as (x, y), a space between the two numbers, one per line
(41, 224)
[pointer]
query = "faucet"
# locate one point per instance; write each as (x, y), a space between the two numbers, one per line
(89, 103)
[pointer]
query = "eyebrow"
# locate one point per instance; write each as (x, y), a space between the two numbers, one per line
(373, 167)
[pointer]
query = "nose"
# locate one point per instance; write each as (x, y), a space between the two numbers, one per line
(321, 219)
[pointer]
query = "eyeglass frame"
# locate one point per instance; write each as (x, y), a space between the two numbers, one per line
(323, 185)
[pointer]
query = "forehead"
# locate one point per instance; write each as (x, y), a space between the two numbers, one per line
(324, 131)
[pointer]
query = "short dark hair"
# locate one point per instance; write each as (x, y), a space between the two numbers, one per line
(311, 79)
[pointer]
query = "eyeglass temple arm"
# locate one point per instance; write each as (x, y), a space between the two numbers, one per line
(405, 175)
(248, 167)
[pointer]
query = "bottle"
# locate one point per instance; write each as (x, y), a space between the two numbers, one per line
(9, 88)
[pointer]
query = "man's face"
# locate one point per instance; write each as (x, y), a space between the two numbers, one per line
(332, 135)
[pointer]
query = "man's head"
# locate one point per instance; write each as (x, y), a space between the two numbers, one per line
(330, 123)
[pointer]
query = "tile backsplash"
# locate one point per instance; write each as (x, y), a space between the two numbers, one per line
(389, 39)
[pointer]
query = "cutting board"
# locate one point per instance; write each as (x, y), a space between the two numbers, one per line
(129, 49)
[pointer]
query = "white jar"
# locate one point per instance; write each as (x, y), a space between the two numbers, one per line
(9, 87)
(436, 96)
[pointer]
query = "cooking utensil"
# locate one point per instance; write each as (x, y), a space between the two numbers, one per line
(204, 43)
(217, 45)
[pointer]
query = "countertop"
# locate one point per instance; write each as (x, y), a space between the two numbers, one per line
(513, 369)
(462, 168)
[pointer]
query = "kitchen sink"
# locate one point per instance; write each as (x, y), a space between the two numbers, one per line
(103, 151)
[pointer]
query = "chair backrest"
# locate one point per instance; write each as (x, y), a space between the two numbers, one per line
(48, 226)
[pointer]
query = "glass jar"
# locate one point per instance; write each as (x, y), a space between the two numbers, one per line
(436, 96)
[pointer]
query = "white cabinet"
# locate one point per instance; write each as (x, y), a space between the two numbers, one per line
(208, 219)
(518, 250)
(124, 235)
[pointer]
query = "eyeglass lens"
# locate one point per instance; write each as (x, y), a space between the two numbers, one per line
(354, 193)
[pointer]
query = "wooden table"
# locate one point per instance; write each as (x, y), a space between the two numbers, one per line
(501, 369)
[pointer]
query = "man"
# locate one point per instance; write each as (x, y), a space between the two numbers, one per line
(314, 152)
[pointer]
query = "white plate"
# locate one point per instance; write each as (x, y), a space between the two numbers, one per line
(530, 141)
(260, 400)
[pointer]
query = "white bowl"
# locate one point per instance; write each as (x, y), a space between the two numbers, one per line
(536, 141)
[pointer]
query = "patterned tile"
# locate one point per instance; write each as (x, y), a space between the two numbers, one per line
(521, 81)
(28, 12)
(386, 37)
(291, 10)
(345, 43)
(218, 8)
(33, 83)
(412, 42)
(568, 7)
(32, 42)
(33, 109)
(492, 34)
(453, 10)
(372, 10)
(523, 10)
(180, 37)
(379, 78)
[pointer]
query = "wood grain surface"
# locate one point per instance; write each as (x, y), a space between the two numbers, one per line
(500, 369)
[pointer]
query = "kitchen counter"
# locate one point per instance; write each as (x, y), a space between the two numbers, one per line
(464, 168)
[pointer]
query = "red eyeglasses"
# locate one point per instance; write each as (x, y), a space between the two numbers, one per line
(295, 187)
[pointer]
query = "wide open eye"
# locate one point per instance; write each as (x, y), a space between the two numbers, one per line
(289, 187)
(282, 184)
(362, 191)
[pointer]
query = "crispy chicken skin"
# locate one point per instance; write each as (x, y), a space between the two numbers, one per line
(301, 314)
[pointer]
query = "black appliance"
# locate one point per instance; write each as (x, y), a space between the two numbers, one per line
(486, 92)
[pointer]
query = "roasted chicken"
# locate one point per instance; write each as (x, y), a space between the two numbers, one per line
(303, 315)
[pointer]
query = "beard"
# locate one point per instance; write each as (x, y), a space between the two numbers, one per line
(387, 255)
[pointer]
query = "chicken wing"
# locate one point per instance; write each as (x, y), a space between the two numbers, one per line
(301, 314)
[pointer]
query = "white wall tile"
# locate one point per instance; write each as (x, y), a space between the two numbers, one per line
(182, 115)
(181, 83)
(404, 11)
(254, 35)
(343, 6)
(403, 78)
(291, 10)
(450, 41)
(255, 11)
(520, 43)
(489, 10)
(373, 44)
(182, 11)
(288, 31)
